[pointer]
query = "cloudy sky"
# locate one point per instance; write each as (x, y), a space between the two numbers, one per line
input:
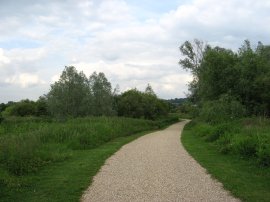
(134, 42)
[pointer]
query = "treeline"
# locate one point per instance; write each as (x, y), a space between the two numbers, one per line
(228, 84)
(75, 95)
(230, 98)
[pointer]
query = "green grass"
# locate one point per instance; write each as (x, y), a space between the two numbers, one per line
(243, 175)
(64, 181)
(55, 161)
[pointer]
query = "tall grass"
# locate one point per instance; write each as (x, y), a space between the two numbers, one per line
(27, 144)
(248, 138)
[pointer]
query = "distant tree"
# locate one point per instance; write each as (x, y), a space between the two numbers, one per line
(149, 90)
(130, 104)
(115, 95)
(42, 106)
(70, 96)
(102, 94)
(136, 104)
(22, 108)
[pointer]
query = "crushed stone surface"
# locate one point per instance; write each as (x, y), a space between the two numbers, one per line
(155, 167)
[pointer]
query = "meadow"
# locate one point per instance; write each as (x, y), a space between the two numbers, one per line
(39, 155)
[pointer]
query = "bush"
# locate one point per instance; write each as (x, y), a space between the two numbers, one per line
(136, 104)
(223, 110)
(1, 118)
(245, 146)
(218, 131)
(248, 138)
(263, 154)
(225, 143)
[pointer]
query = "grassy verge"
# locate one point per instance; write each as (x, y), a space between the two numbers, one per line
(242, 175)
(51, 161)
(64, 181)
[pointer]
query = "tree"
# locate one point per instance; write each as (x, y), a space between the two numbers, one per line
(42, 106)
(149, 90)
(22, 108)
(136, 104)
(243, 76)
(218, 74)
(70, 96)
(102, 94)
(193, 57)
(130, 104)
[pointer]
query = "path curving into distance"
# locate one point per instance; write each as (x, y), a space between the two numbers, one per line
(154, 167)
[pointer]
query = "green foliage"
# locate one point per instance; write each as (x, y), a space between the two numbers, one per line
(136, 104)
(70, 95)
(222, 110)
(248, 138)
(217, 71)
(239, 174)
(102, 94)
(74, 95)
(1, 118)
(26, 108)
(22, 108)
(27, 144)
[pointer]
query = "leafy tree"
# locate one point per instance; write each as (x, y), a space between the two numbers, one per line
(218, 74)
(130, 104)
(75, 95)
(70, 96)
(102, 94)
(149, 90)
(42, 107)
(192, 59)
(243, 76)
(193, 55)
(22, 108)
(136, 104)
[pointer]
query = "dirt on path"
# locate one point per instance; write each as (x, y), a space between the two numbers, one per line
(155, 167)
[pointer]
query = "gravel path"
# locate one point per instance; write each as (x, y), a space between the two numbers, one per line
(155, 167)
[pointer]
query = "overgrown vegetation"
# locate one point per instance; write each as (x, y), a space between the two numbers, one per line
(75, 95)
(74, 118)
(229, 101)
(243, 169)
(30, 145)
(248, 138)
(243, 76)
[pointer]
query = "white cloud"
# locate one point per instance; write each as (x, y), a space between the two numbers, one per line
(3, 58)
(132, 48)
(29, 54)
(25, 80)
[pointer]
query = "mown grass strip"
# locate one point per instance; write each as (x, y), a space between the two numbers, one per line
(242, 177)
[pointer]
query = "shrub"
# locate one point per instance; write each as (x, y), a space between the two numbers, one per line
(263, 154)
(245, 146)
(222, 110)
(225, 143)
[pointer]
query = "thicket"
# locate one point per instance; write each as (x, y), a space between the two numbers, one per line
(248, 138)
(136, 104)
(226, 87)
(218, 73)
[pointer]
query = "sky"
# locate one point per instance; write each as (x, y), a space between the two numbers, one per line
(134, 42)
